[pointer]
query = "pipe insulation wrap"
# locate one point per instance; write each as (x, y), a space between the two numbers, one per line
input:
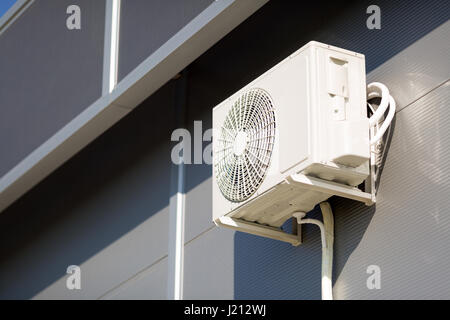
(327, 251)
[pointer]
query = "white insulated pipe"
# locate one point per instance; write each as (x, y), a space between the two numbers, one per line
(327, 237)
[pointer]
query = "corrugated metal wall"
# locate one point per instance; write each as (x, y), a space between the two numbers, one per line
(32, 110)
(409, 54)
(107, 208)
(147, 25)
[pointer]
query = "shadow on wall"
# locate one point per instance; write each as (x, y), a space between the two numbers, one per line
(105, 191)
(114, 184)
(280, 28)
(270, 269)
(266, 268)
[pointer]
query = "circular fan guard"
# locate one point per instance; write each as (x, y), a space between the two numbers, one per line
(245, 145)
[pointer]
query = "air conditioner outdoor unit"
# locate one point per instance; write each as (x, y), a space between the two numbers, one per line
(292, 138)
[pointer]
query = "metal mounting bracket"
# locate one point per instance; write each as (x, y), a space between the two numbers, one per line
(331, 188)
(320, 186)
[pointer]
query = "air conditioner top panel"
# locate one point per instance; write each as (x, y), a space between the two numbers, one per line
(305, 47)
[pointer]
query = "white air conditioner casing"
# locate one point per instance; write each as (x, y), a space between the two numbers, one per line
(318, 145)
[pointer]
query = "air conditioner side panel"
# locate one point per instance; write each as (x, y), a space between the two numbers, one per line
(290, 89)
(341, 88)
(221, 205)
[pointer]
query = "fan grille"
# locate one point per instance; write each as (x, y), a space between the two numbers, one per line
(245, 145)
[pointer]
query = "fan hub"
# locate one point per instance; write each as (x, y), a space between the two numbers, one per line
(240, 143)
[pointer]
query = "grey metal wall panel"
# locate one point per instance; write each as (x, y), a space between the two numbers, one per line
(48, 74)
(208, 265)
(148, 285)
(406, 233)
(420, 67)
(113, 214)
(117, 263)
(105, 210)
(409, 234)
(198, 207)
(146, 25)
(267, 269)
(268, 43)
(402, 23)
